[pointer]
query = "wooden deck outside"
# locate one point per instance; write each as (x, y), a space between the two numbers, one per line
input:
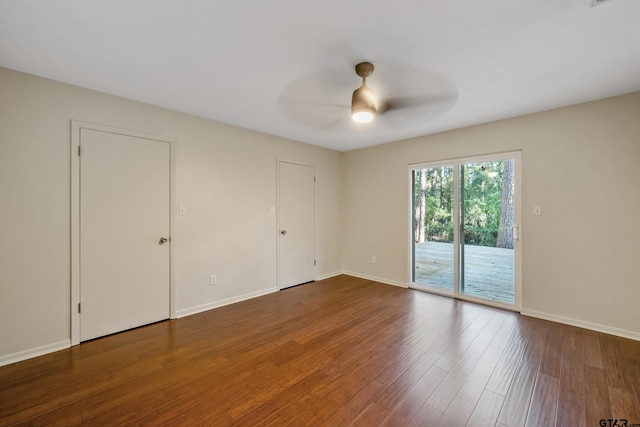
(488, 271)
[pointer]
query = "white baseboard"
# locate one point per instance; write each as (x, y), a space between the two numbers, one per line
(328, 276)
(583, 324)
(61, 345)
(209, 306)
(34, 352)
(624, 333)
(375, 279)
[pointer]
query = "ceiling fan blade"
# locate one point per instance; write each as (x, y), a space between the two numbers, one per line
(313, 113)
(336, 125)
(408, 111)
(308, 103)
(399, 103)
(318, 98)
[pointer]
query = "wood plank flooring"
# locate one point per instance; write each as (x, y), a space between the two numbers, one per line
(343, 351)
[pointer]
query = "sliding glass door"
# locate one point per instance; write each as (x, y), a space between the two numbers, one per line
(433, 223)
(486, 249)
(465, 228)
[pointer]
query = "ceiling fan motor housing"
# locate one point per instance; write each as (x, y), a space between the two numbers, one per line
(363, 104)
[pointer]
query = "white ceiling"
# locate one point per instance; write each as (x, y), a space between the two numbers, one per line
(285, 67)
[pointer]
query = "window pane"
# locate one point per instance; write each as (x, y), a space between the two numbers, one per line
(433, 227)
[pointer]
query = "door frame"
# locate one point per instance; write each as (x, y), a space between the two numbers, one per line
(76, 127)
(278, 217)
(517, 262)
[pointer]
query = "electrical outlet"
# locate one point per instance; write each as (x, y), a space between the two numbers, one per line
(213, 280)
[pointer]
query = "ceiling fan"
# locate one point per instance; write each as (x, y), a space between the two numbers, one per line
(364, 104)
(400, 96)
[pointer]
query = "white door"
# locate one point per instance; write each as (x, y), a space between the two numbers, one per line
(296, 219)
(124, 214)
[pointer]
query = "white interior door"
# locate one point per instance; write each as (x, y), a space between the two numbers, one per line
(124, 214)
(296, 219)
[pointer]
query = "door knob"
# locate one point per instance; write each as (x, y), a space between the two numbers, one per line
(163, 240)
(283, 232)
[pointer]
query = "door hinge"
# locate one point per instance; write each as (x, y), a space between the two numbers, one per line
(79, 310)
(314, 179)
(79, 150)
(314, 262)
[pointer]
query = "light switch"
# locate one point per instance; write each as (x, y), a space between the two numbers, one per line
(273, 209)
(537, 210)
(182, 210)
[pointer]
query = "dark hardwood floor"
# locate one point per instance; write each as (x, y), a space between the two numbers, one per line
(343, 351)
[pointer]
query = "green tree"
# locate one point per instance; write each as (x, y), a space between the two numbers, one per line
(487, 203)
(505, 227)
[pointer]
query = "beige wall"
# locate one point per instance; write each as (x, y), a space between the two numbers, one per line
(226, 177)
(580, 258)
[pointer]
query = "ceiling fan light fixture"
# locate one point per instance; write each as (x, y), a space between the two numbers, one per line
(362, 117)
(363, 105)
